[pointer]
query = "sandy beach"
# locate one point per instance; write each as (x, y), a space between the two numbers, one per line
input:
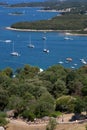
(48, 10)
(66, 32)
(31, 30)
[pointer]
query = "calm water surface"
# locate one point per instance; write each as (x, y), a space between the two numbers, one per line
(59, 48)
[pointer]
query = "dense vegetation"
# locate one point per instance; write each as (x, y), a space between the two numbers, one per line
(76, 6)
(73, 16)
(3, 120)
(66, 22)
(34, 94)
(30, 4)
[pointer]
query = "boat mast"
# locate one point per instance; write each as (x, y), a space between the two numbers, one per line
(44, 40)
(13, 47)
(44, 43)
(30, 39)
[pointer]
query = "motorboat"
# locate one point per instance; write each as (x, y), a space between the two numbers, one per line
(83, 61)
(69, 59)
(60, 62)
(46, 50)
(8, 41)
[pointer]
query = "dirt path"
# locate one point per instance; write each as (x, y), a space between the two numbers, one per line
(19, 124)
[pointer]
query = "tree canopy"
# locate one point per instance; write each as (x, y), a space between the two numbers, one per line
(33, 94)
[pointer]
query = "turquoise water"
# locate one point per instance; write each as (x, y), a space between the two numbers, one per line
(59, 48)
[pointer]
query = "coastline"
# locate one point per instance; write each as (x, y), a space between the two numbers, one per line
(66, 32)
(33, 30)
(48, 10)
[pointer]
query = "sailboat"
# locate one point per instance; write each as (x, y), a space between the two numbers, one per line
(68, 38)
(44, 38)
(14, 53)
(30, 45)
(45, 48)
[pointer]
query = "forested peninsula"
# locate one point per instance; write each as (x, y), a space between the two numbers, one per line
(74, 23)
(73, 16)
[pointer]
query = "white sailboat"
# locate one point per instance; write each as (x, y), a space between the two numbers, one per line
(44, 38)
(30, 45)
(68, 38)
(45, 48)
(14, 53)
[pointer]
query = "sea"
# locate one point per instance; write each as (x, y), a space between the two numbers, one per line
(59, 48)
(20, 1)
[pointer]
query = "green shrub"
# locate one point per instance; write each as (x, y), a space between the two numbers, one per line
(52, 124)
(56, 114)
(3, 121)
(86, 127)
(28, 115)
(3, 114)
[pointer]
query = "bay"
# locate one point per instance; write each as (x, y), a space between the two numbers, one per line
(59, 48)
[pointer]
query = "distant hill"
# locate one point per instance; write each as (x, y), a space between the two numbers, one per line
(54, 4)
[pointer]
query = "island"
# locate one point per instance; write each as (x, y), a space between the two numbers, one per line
(3, 3)
(16, 13)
